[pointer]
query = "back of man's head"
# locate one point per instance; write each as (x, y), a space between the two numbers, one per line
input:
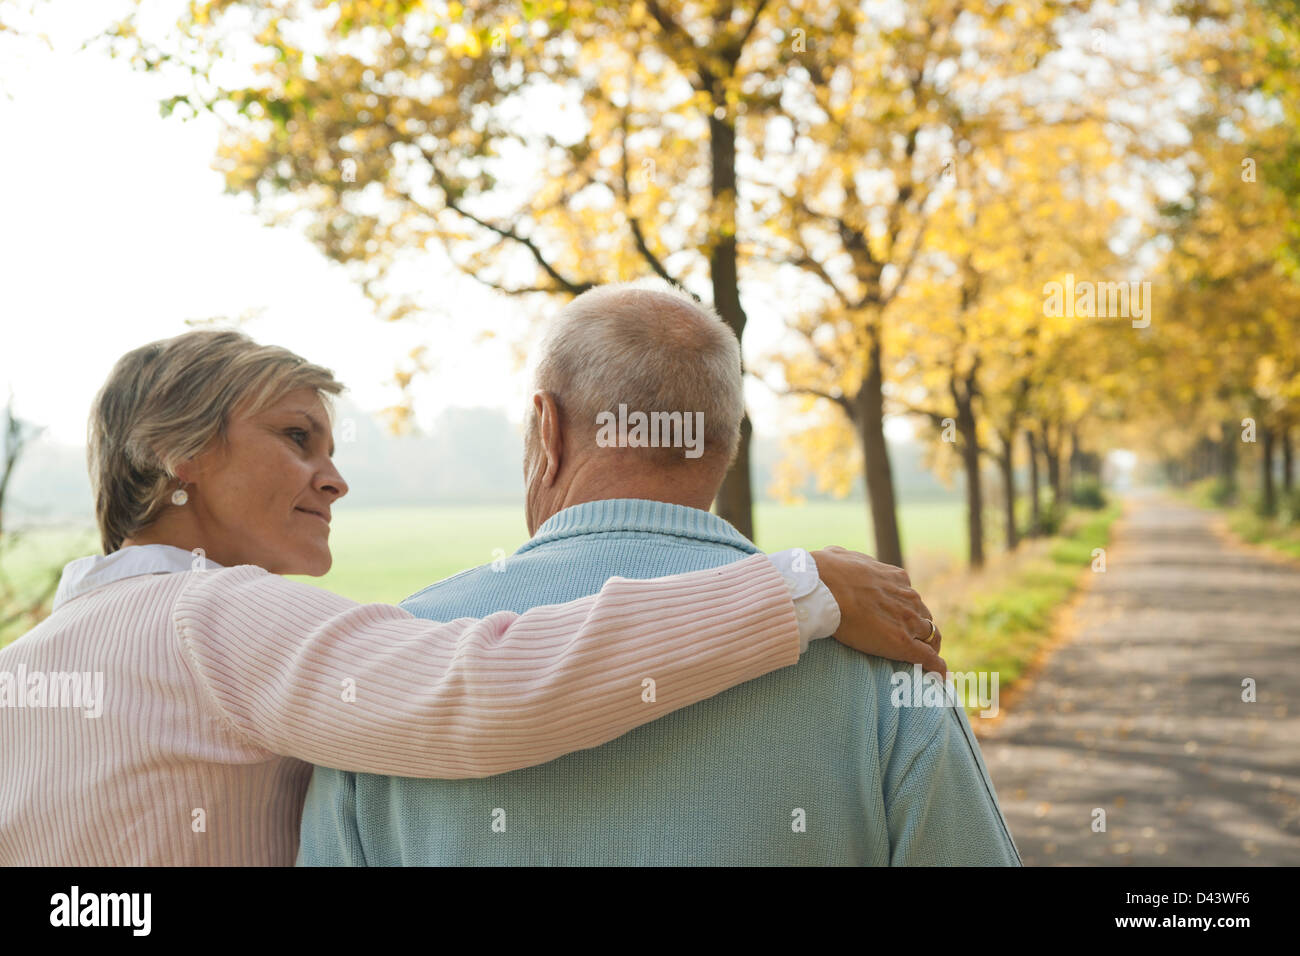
(650, 371)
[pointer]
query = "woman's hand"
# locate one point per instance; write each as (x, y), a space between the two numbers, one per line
(880, 613)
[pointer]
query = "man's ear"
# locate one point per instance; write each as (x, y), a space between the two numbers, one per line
(550, 434)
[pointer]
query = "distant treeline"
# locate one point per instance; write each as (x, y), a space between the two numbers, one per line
(469, 455)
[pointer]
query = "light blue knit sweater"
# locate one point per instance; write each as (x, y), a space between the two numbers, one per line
(807, 765)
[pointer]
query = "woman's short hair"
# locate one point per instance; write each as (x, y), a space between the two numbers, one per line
(165, 402)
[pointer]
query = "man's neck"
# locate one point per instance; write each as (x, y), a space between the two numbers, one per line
(599, 485)
(640, 491)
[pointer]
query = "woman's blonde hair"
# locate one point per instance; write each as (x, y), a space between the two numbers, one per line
(165, 402)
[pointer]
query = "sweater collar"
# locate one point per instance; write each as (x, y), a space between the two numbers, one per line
(87, 574)
(638, 515)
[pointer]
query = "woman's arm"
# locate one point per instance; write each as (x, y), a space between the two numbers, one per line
(305, 673)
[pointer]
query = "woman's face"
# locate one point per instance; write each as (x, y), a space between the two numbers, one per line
(264, 495)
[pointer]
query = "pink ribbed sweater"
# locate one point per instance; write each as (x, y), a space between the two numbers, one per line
(221, 688)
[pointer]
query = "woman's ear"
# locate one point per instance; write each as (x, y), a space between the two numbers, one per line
(192, 470)
(187, 471)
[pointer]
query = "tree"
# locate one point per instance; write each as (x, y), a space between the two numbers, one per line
(397, 129)
(898, 116)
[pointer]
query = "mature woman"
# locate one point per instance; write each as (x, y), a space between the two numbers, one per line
(169, 709)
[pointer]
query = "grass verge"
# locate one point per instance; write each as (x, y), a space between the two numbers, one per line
(999, 620)
(1280, 533)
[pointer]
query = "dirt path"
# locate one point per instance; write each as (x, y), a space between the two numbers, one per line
(1140, 713)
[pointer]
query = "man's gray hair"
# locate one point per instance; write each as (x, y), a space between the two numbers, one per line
(652, 350)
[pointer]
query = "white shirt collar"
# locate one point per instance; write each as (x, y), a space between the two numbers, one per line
(87, 574)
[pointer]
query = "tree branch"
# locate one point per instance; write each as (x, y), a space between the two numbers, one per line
(508, 232)
(936, 417)
(653, 260)
(840, 400)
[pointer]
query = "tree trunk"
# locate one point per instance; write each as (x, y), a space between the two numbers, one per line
(1035, 518)
(735, 501)
(1228, 455)
(1288, 462)
(1266, 470)
(1076, 465)
(1006, 464)
(1066, 467)
(974, 505)
(970, 457)
(1053, 452)
(870, 414)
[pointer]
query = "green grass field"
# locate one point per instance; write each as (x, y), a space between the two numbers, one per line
(386, 554)
(996, 620)
(31, 557)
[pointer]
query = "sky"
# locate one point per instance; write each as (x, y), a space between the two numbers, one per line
(116, 230)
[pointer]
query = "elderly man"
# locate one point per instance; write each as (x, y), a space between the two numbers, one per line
(635, 419)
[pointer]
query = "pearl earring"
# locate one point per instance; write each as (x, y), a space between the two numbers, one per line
(179, 497)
